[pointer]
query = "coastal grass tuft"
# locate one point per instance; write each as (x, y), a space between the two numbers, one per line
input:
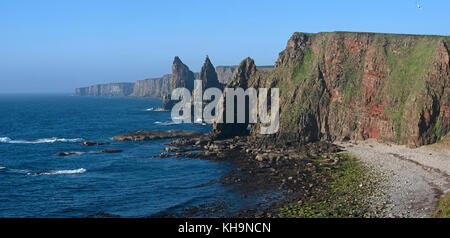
(346, 193)
(443, 210)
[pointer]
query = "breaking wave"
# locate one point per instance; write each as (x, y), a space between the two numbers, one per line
(166, 123)
(38, 141)
(153, 109)
(56, 172)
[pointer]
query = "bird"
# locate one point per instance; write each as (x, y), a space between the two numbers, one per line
(419, 6)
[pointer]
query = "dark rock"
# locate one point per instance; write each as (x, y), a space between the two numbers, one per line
(155, 135)
(112, 150)
(91, 143)
(74, 153)
(102, 215)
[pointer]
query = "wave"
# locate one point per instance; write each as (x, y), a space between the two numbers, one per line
(166, 123)
(2, 168)
(169, 123)
(18, 171)
(153, 109)
(38, 141)
(57, 172)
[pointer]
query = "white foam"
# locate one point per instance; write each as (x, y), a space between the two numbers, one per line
(2, 168)
(56, 172)
(152, 109)
(167, 123)
(38, 141)
(5, 139)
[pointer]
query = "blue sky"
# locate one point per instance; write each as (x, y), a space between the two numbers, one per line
(55, 46)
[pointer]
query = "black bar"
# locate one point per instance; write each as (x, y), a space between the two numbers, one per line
(225, 227)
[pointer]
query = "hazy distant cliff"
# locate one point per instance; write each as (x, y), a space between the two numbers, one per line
(110, 89)
(152, 88)
(340, 85)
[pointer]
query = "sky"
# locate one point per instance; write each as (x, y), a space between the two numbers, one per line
(51, 46)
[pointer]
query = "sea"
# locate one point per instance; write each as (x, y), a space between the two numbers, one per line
(35, 182)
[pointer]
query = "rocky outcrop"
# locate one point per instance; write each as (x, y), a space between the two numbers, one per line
(341, 85)
(156, 135)
(91, 143)
(208, 75)
(152, 88)
(109, 90)
(181, 77)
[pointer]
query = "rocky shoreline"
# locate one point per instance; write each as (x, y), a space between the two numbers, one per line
(293, 171)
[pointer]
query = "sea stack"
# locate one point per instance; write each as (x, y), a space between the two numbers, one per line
(240, 79)
(181, 77)
(208, 75)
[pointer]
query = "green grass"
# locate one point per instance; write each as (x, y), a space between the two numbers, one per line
(409, 65)
(437, 129)
(344, 196)
(443, 210)
(306, 67)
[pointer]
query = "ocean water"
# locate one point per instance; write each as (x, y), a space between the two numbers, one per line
(33, 128)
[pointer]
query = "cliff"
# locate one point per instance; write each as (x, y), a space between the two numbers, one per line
(225, 73)
(110, 90)
(341, 85)
(152, 88)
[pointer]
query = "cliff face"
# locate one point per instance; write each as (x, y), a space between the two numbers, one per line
(225, 73)
(109, 90)
(338, 86)
(152, 88)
